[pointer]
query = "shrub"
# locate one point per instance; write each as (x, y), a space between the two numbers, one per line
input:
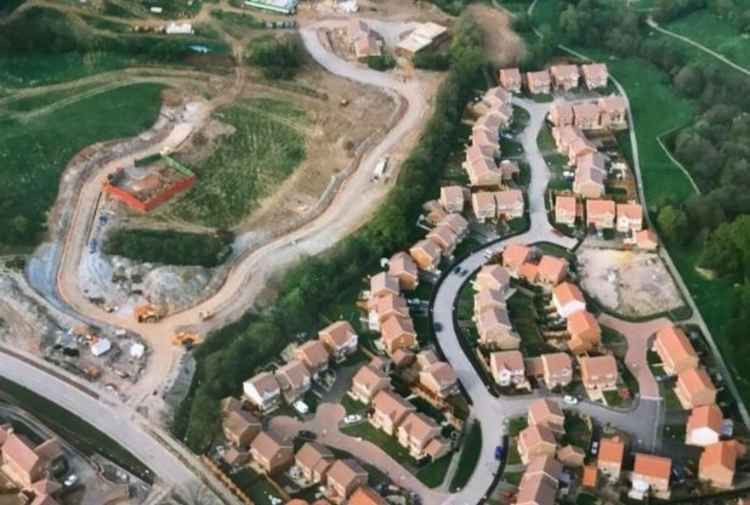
(382, 63)
(169, 247)
(278, 59)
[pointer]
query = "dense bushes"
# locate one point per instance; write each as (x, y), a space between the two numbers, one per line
(432, 60)
(668, 10)
(278, 58)
(169, 247)
(311, 292)
(383, 62)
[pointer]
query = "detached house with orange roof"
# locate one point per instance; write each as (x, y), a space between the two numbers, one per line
(340, 339)
(389, 409)
(383, 307)
(546, 412)
(314, 460)
(578, 147)
(510, 79)
(718, 462)
(590, 176)
(397, 333)
(295, 380)
(695, 389)
(536, 441)
(558, 369)
(314, 355)
(496, 97)
(240, 428)
(426, 254)
(552, 270)
(271, 453)
(514, 256)
(263, 391)
(599, 373)
(566, 210)
(483, 205)
(402, 267)
(23, 463)
(367, 383)
(586, 116)
(568, 299)
(561, 113)
(508, 368)
(614, 112)
(610, 456)
(382, 284)
(417, 432)
(537, 489)
(650, 473)
(496, 331)
(344, 477)
(539, 83)
(509, 204)
(446, 239)
(600, 214)
(565, 77)
(585, 332)
(629, 217)
(675, 350)
(646, 240)
(492, 277)
(488, 299)
(595, 75)
(453, 198)
(704, 426)
(366, 496)
(440, 379)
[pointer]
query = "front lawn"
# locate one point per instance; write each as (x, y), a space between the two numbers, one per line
(433, 474)
(379, 438)
(523, 316)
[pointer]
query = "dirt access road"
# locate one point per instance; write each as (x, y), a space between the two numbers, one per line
(354, 203)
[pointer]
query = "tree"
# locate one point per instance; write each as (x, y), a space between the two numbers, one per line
(673, 223)
(569, 25)
(689, 81)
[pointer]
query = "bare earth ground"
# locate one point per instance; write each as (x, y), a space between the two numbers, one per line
(504, 46)
(634, 284)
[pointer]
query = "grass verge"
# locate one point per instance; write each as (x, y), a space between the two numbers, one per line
(468, 458)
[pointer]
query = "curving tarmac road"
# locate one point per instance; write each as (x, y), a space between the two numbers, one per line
(642, 421)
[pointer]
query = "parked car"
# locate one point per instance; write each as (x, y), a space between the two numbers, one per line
(570, 400)
(499, 452)
(594, 447)
(307, 435)
(353, 418)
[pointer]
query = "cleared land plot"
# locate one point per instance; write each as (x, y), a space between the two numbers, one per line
(246, 165)
(35, 153)
(634, 284)
(502, 44)
(717, 34)
(169, 247)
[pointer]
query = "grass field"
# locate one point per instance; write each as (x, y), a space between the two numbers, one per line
(717, 34)
(469, 456)
(35, 102)
(246, 166)
(169, 247)
(35, 153)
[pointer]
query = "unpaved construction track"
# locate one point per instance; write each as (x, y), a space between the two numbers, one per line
(355, 201)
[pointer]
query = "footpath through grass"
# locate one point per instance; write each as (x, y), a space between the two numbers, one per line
(34, 154)
(717, 34)
(247, 165)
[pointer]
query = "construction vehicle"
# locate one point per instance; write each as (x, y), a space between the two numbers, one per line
(187, 339)
(147, 314)
(205, 315)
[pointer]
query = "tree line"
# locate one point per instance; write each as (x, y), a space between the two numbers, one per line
(311, 290)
